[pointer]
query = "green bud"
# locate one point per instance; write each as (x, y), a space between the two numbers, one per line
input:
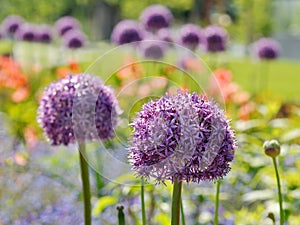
(272, 148)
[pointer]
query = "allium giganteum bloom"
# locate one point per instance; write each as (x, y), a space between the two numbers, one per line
(74, 39)
(183, 136)
(127, 31)
(11, 24)
(78, 107)
(267, 48)
(26, 32)
(190, 36)
(156, 17)
(65, 24)
(43, 34)
(153, 49)
(216, 38)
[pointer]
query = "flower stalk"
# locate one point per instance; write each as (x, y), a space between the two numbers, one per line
(216, 219)
(176, 200)
(143, 201)
(279, 192)
(85, 185)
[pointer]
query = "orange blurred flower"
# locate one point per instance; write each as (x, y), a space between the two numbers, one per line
(73, 67)
(20, 94)
(131, 69)
(11, 75)
(192, 64)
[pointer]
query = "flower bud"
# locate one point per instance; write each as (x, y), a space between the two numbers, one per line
(272, 148)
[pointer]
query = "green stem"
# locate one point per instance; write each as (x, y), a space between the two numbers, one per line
(279, 191)
(85, 185)
(121, 216)
(143, 202)
(182, 214)
(176, 199)
(216, 220)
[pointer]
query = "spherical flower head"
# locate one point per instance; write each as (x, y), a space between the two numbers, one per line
(272, 148)
(156, 17)
(65, 24)
(153, 49)
(183, 136)
(267, 48)
(26, 32)
(126, 31)
(11, 24)
(44, 34)
(78, 107)
(74, 39)
(216, 38)
(190, 36)
(164, 34)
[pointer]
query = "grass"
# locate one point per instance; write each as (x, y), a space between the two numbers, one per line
(280, 77)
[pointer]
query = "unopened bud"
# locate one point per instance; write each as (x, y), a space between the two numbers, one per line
(272, 148)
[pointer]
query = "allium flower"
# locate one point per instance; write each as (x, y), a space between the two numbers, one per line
(153, 49)
(26, 32)
(126, 31)
(11, 24)
(190, 36)
(78, 107)
(44, 34)
(156, 17)
(66, 23)
(74, 39)
(182, 136)
(267, 48)
(216, 38)
(164, 34)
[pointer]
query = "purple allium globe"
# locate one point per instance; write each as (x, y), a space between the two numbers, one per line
(153, 49)
(11, 24)
(65, 24)
(26, 32)
(78, 107)
(44, 34)
(126, 31)
(74, 39)
(216, 38)
(190, 36)
(183, 136)
(156, 17)
(267, 48)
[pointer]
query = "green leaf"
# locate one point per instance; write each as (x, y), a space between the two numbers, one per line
(102, 203)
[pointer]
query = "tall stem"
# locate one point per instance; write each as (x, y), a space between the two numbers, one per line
(182, 213)
(279, 191)
(176, 199)
(216, 220)
(85, 185)
(121, 216)
(143, 202)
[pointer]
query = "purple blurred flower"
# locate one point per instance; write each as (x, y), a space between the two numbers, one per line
(182, 136)
(26, 32)
(43, 34)
(156, 17)
(216, 38)
(153, 49)
(164, 34)
(190, 36)
(267, 48)
(11, 24)
(65, 24)
(74, 39)
(1, 33)
(78, 107)
(127, 31)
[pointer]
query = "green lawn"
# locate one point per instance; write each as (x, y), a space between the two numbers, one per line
(280, 77)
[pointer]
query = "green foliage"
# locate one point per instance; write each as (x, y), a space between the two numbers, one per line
(253, 20)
